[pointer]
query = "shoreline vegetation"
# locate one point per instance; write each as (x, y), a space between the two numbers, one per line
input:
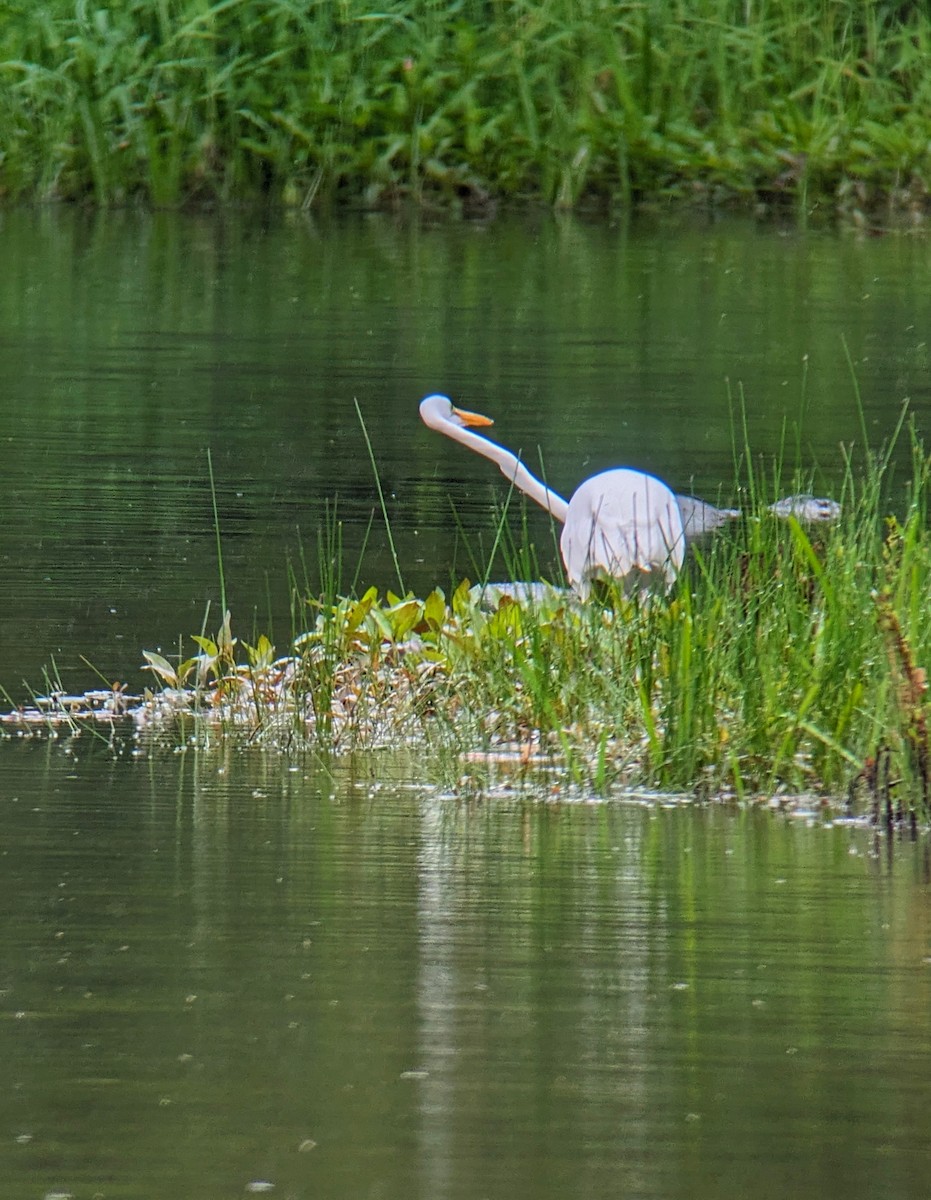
(785, 663)
(798, 106)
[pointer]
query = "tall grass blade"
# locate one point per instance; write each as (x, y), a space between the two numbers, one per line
(216, 531)
(381, 500)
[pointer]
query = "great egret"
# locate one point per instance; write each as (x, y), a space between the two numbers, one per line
(621, 524)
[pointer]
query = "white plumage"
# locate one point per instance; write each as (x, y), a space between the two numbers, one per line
(623, 525)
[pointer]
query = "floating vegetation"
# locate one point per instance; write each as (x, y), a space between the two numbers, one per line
(801, 105)
(60, 711)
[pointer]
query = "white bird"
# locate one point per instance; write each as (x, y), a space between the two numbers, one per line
(622, 524)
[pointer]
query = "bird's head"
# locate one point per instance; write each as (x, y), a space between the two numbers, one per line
(439, 411)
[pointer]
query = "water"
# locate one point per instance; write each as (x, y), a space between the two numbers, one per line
(222, 971)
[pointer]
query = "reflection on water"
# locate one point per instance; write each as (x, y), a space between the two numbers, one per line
(221, 971)
(131, 343)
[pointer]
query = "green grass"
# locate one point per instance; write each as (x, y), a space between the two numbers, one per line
(801, 102)
(785, 661)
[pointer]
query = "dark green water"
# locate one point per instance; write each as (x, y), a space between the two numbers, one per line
(222, 971)
(219, 972)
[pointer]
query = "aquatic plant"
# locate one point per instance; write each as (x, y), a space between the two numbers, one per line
(461, 102)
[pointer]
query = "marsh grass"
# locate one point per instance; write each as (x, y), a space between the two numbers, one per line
(785, 660)
(565, 101)
(788, 660)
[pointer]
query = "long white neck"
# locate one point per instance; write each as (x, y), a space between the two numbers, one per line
(510, 467)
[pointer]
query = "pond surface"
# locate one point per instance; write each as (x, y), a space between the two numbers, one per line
(217, 973)
(220, 972)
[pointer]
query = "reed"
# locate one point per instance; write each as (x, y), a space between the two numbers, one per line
(804, 102)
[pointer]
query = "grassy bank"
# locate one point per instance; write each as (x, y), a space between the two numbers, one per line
(805, 103)
(785, 661)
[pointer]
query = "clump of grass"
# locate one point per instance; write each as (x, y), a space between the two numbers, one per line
(365, 676)
(804, 103)
(786, 661)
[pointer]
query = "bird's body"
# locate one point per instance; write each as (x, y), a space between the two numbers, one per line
(622, 525)
(700, 519)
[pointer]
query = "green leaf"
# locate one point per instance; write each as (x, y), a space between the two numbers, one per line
(434, 609)
(161, 666)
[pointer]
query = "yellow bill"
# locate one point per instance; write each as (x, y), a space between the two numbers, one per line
(471, 418)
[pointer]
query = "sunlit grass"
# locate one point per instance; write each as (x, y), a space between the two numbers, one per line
(806, 103)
